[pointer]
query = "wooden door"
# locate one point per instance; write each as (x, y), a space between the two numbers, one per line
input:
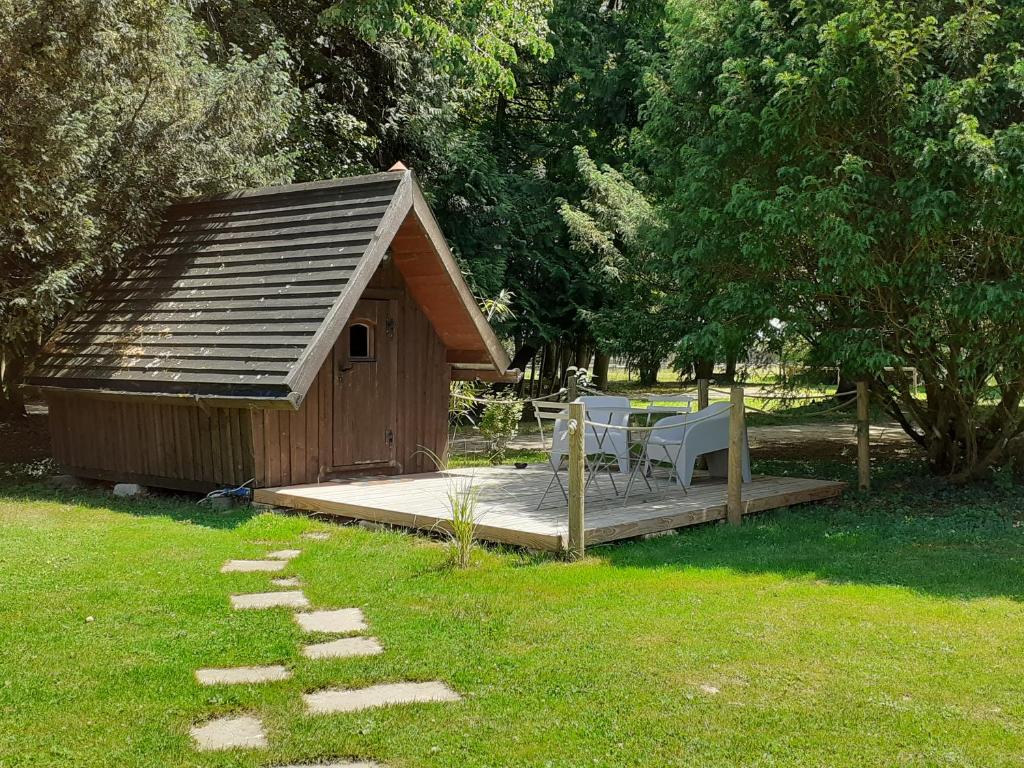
(365, 386)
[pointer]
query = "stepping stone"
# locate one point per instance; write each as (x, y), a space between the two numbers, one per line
(244, 732)
(350, 700)
(346, 646)
(252, 566)
(341, 620)
(287, 581)
(255, 600)
(342, 764)
(284, 554)
(315, 535)
(236, 675)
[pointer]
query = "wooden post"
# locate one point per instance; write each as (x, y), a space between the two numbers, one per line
(863, 436)
(702, 394)
(734, 503)
(577, 478)
(571, 383)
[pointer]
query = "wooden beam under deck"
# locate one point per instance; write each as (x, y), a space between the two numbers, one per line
(508, 498)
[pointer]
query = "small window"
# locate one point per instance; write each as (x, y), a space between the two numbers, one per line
(359, 342)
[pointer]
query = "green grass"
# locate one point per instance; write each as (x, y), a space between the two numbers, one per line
(880, 631)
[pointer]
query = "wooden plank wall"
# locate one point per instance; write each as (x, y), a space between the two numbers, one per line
(186, 446)
(296, 447)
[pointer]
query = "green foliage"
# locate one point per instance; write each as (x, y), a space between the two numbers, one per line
(854, 169)
(503, 170)
(499, 423)
(617, 226)
(111, 111)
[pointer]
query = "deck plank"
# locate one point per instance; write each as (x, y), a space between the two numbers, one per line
(508, 503)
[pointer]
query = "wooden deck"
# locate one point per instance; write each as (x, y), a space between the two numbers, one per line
(507, 511)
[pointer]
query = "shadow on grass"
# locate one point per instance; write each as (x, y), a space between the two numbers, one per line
(910, 531)
(18, 486)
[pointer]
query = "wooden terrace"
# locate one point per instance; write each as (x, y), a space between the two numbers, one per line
(508, 511)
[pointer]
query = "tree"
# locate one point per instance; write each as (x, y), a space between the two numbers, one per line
(496, 193)
(856, 170)
(111, 111)
(614, 222)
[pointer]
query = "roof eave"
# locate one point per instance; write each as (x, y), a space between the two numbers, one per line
(289, 401)
(496, 352)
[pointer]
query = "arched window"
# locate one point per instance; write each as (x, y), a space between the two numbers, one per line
(360, 342)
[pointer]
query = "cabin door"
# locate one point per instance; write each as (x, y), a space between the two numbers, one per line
(365, 386)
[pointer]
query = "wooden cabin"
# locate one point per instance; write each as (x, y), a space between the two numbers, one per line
(282, 335)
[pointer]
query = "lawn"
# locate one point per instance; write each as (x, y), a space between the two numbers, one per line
(880, 631)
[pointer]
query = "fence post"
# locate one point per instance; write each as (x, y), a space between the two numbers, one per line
(863, 436)
(571, 383)
(734, 498)
(577, 478)
(702, 394)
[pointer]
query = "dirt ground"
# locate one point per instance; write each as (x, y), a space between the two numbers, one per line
(790, 441)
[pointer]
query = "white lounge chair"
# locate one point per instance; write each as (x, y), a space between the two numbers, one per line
(679, 440)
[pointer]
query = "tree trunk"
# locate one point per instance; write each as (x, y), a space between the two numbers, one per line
(848, 386)
(648, 372)
(584, 351)
(600, 372)
(549, 368)
(565, 358)
(703, 368)
(12, 403)
(731, 360)
(524, 354)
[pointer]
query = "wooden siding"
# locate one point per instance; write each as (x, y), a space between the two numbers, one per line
(296, 447)
(176, 446)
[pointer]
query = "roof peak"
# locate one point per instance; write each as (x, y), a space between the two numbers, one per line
(398, 167)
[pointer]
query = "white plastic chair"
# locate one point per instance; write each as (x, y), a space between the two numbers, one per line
(604, 409)
(679, 440)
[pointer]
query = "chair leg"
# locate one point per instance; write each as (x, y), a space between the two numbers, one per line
(554, 478)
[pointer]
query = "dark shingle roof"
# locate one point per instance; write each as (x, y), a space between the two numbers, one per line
(230, 299)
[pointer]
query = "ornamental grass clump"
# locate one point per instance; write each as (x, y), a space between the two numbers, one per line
(462, 501)
(462, 496)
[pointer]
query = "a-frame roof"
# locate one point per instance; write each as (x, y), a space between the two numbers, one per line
(243, 295)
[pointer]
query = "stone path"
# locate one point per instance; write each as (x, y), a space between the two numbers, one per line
(252, 566)
(239, 675)
(350, 700)
(341, 621)
(284, 554)
(259, 600)
(230, 733)
(246, 731)
(346, 646)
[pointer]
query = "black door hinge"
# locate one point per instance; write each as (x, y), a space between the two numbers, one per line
(389, 437)
(389, 327)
